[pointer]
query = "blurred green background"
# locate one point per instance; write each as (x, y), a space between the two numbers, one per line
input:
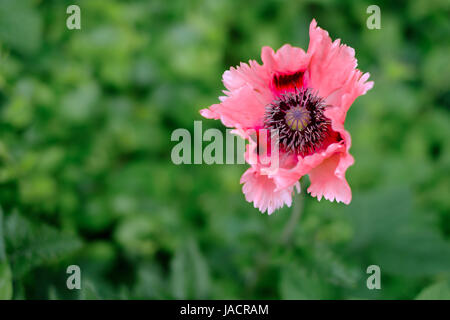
(86, 177)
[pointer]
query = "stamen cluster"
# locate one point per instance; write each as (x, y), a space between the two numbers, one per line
(298, 119)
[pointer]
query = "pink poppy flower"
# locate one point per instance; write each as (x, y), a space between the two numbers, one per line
(305, 96)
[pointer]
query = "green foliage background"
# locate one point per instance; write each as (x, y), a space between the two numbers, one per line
(86, 177)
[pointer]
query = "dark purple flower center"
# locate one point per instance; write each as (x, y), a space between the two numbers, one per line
(299, 120)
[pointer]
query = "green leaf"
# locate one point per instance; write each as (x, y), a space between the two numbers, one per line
(414, 253)
(30, 245)
(437, 291)
(333, 268)
(299, 284)
(398, 241)
(189, 273)
(375, 215)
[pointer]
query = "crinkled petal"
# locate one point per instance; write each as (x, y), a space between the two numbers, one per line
(288, 175)
(332, 70)
(327, 168)
(337, 117)
(328, 179)
(290, 168)
(260, 189)
(287, 59)
(242, 110)
(253, 75)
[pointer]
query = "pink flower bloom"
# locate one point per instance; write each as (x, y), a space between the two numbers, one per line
(305, 96)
